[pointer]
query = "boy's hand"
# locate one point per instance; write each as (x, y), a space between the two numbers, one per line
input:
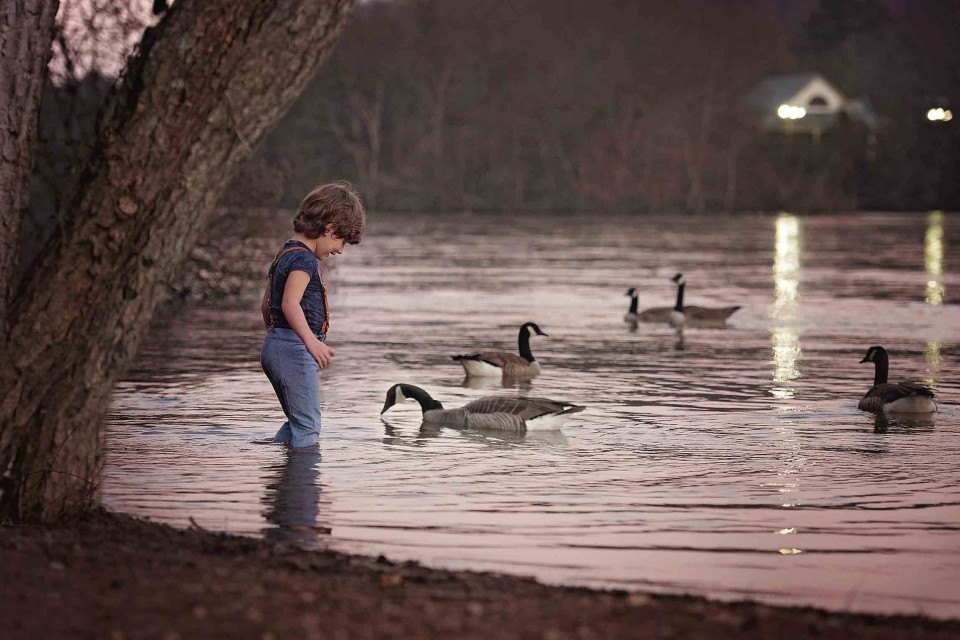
(321, 352)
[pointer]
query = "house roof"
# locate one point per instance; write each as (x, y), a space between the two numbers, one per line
(777, 90)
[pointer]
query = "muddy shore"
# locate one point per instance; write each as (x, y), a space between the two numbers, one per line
(113, 576)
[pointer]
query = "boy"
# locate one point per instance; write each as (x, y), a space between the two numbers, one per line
(295, 309)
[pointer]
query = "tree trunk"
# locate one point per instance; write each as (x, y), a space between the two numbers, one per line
(26, 31)
(207, 83)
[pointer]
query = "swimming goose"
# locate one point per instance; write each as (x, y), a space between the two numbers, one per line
(501, 363)
(889, 397)
(504, 413)
(678, 314)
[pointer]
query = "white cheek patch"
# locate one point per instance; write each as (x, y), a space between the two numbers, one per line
(400, 396)
(531, 332)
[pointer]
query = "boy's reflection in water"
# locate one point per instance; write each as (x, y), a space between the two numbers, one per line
(293, 499)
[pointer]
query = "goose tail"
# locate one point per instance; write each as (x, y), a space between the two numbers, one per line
(574, 408)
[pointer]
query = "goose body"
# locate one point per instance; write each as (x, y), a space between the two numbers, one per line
(679, 314)
(501, 363)
(894, 397)
(501, 413)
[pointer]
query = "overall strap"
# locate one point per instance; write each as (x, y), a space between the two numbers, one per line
(323, 289)
(283, 252)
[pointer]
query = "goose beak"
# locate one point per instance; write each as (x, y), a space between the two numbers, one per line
(386, 405)
(864, 360)
(544, 333)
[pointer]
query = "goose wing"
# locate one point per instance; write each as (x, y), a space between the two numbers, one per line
(709, 313)
(889, 392)
(496, 421)
(656, 314)
(523, 408)
(500, 359)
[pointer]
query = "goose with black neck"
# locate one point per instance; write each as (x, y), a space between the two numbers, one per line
(679, 314)
(894, 397)
(500, 363)
(501, 413)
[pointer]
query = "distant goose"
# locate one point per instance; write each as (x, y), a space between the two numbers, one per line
(888, 397)
(678, 314)
(501, 363)
(490, 412)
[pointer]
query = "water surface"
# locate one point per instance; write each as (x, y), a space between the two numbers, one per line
(726, 462)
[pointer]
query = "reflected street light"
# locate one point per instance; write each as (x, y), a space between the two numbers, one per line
(933, 261)
(785, 339)
(933, 258)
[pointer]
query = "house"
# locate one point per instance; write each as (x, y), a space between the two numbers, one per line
(805, 103)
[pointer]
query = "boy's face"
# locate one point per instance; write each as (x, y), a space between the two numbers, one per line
(329, 244)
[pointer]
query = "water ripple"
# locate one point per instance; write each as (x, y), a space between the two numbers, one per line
(730, 462)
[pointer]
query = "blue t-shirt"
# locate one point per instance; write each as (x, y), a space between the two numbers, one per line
(312, 300)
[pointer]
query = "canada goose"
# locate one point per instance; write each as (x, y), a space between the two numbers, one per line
(490, 412)
(497, 363)
(678, 314)
(889, 397)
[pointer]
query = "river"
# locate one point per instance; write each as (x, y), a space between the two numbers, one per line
(728, 462)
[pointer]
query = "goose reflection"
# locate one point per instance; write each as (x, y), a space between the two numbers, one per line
(293, 499)
(680, 344)
(906, 425)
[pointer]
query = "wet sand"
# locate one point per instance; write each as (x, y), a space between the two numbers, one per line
(113, 576)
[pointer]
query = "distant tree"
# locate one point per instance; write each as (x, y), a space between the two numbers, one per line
(834, 21)
(205, 85)
(558, 104)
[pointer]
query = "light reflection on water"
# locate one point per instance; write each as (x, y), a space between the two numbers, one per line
(717, 468)
(933, 258)
(786, 285)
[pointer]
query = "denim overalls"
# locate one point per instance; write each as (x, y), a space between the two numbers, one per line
(291, 369)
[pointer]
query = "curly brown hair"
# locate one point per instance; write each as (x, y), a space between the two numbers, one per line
(337, 204)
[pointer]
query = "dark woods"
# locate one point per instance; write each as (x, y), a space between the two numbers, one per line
(566, 104)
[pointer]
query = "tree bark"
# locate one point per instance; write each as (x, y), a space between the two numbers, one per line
(26, 31)
(207, 83)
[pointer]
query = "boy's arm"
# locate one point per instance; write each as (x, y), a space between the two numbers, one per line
(293, 290)
(265, 307)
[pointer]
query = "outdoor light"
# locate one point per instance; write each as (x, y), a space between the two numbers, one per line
(789, 112)
(936, 115)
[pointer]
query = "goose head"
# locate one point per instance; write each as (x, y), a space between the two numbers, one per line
(632, 292)
(533, 329)
(400, 393)
(395, 395)
(678, 279)
(874, 354)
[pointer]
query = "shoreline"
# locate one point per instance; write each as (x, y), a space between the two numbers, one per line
(114, 576)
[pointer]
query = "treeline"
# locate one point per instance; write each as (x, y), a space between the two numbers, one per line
(563, 104)
(571, 104)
